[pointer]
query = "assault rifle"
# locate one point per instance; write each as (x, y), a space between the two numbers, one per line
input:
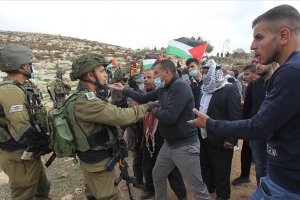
(36, 142)
(120, 152)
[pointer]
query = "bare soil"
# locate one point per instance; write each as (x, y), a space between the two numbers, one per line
(67, 182)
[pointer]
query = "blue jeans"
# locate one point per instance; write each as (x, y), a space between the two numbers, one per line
(259, 152)
(268, 190)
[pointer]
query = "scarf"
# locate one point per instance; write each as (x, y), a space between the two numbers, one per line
(214, 79)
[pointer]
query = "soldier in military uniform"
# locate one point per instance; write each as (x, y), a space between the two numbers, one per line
(20, 113)
(93, 113)
(58, 89)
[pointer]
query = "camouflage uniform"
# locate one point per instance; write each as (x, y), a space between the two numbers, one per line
(58, 89)
(27, 178)
(93, 115)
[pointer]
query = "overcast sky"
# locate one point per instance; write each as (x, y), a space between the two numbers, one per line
(139, 24)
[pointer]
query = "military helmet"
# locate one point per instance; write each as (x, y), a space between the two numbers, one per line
(60, 72)
(86, 63)
(13, 56)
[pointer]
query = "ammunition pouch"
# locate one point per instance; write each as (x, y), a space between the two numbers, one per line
(94, 156)
(100, 138)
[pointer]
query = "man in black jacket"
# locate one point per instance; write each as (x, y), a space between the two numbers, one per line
(195, 79)
(151, 147)
(181, 147)
(220, 100)
(276, 39)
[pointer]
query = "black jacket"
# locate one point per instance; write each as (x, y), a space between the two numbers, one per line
(176, 104)
(196, 90)
(225, 104)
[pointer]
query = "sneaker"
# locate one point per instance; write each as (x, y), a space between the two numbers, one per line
(240, 180)
(147, 195)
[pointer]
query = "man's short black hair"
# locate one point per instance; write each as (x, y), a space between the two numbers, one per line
(250, 67)
(166, 64)
(190, 60)
(283, 15)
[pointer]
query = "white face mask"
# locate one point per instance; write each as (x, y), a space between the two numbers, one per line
(31, 71)
(141, 87)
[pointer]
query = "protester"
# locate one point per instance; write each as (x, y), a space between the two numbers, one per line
(250, 74)
(220, 100)
(195, 78)
(276, 39)
(181, 147)
(135, 132)
(153, 142)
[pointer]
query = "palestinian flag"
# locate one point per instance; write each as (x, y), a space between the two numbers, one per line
(114, 62)
(186, 48)
(150, 59)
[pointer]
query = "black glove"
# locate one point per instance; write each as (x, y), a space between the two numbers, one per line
(152, 105)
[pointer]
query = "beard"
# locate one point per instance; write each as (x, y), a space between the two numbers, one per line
(262, 74)
(274, 57)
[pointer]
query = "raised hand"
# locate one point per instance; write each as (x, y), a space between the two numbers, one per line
(116, 86)
(200, 121)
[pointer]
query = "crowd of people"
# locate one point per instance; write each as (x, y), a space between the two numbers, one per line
(180, 129)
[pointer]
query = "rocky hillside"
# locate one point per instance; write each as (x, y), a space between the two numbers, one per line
(56, 51)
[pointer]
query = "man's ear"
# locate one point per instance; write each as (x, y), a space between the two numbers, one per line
(90, 76)
(23, 67)
(285, 35)
(168, 72)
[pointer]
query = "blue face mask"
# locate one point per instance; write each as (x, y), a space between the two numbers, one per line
(193, 73)
(158, 83)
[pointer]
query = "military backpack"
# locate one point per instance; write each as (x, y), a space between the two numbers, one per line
(66, 136)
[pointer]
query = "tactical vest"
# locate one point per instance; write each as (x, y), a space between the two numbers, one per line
(67, 138)
(37, 114)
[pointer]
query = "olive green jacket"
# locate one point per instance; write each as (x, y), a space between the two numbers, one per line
(13, 101)
(92, 114)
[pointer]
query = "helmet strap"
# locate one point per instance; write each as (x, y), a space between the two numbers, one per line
(25, 72)
(99, 86)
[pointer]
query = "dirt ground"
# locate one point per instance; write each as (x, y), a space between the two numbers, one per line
(67, 182)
